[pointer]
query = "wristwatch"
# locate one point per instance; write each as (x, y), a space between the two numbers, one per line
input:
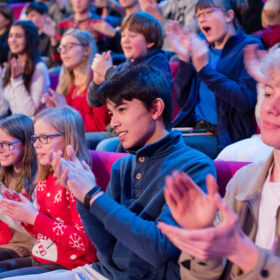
(89, 195)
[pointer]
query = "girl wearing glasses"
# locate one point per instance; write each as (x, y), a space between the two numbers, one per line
(56, 224)
(77, 49)
(25, 78)
(212, 86)
(18, 171)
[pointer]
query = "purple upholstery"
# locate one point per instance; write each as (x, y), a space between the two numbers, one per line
(102, 163)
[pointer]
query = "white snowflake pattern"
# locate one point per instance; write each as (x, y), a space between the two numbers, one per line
(58, 228)
(58, 196)
(41, 186)
(70, 197)
(79, 227)
(76, 242)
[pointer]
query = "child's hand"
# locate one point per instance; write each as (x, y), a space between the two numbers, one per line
(179, 39)
(11, 195)
(49, 27)
(100, 66)
(17, 67)
(200, 52)
(22, 211)
(53, 99)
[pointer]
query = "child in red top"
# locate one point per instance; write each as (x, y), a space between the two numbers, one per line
(56, 224)
(77, 49)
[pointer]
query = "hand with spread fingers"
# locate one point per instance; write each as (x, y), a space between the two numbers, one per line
(17, 67)
(226, 240)
(179, 40)
(253, 58)
(74, 175)
(20, 209)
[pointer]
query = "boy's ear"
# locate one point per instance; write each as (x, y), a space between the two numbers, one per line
(150, 45)
(87, 51)
(158, 107)
(229, 16)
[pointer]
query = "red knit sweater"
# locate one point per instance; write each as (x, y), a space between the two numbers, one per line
(58, 228)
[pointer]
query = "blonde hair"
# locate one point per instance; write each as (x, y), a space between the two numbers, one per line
(69, 122)
(66, 76)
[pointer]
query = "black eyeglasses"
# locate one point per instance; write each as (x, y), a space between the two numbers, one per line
(6, 146)
(44, 139)
(68, 46)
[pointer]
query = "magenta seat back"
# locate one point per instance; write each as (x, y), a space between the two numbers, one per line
(225, 170)
(17, 8)
(102, 163)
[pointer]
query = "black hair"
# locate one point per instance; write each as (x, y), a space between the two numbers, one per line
(7, 12)
(142, 82)
(39, 7)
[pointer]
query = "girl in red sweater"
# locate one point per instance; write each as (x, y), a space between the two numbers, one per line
(55, 222)
(77, 49)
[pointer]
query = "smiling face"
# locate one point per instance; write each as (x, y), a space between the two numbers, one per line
(72, 52)
(17, 40)
(55, 144)
(133, 123)
(14, 156)
(270, 113)
(134, 44)
(215, 24)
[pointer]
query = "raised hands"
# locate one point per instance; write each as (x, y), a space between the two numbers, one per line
(49, 27)
(253, 58)
(200, 52)
(74, 175)
(179, 40)
(100, 65)
(17, 67)
(18, 207)
(189, 205)
(53, 99)
(226, 240)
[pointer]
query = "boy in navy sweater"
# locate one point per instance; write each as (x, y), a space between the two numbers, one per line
(122, 223)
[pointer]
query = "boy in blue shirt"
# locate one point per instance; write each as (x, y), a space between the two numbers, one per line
(122, 223)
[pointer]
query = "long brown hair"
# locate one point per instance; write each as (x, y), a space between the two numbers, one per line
(32, 53)
(69, 122)
(20, 127)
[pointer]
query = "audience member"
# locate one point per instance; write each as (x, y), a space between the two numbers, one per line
(214, 90)
(270, 33)
(123, 222)
(55, 222)
(182, 11)
(141, 42)
(77, 49)
(6, 20)
(18, 171)
(38, 13)
(25, 78)
(245, 242)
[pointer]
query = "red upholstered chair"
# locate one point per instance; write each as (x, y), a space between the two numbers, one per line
(225, 170)
(17, 8)
(5, 233)
(102, 163)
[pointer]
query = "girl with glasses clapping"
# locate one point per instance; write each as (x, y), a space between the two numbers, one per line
(55, 222)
